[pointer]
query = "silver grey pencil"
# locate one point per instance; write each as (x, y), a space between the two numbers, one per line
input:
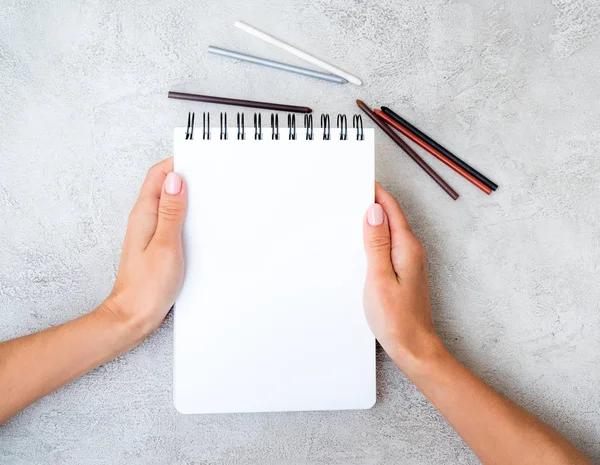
(276, 65)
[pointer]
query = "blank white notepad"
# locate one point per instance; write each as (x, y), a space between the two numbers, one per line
(270, 316)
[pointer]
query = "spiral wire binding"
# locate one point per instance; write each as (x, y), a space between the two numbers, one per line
(326, 126)
(189, 132)
(308, 124)
(257, 127)
(274, 126)
(358, 125)
(292, 126)
(205, 125)
(223, 135)
(240, 126)
(342, 124)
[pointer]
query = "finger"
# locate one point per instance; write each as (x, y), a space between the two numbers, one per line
(171, 211)
(376, 236)
(399, 228)
(405, 246)
(392, 208)
(144, 215)
(154, 180)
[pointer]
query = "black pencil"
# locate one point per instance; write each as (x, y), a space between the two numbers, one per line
(421, 135)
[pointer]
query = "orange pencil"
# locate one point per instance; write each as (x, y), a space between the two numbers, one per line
(434, 152)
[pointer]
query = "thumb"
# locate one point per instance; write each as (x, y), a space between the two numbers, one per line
(171, 209)
(376, 236)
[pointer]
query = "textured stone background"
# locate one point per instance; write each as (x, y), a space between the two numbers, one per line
(511, 86)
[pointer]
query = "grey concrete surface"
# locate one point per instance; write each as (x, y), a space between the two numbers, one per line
(511, 86)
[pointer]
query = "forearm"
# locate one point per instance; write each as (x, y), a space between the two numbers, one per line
(498, 431)
(35, 365)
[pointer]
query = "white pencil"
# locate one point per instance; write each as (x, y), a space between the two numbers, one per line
(299, 53)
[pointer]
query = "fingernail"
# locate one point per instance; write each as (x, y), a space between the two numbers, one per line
(173, 183)
(375, 215)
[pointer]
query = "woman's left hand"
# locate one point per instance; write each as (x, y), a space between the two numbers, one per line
(151, 268)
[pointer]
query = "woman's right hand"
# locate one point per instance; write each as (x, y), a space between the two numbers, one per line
(396, 295)
(398, 310)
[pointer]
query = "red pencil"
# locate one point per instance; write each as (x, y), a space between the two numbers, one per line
(434, 152)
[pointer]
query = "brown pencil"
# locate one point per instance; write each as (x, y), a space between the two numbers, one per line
(410, 152)
(240, 103)
(473, 180)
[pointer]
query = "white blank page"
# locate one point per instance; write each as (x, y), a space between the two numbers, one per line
(270, 316)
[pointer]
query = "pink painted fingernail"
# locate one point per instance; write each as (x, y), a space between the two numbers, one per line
(375, 215)
(173, 183)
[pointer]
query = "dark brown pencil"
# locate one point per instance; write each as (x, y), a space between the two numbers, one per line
(440, 148)
(410, 152)
(240, 103)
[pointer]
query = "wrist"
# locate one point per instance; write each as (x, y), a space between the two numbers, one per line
(420, 357)
(131, 330)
